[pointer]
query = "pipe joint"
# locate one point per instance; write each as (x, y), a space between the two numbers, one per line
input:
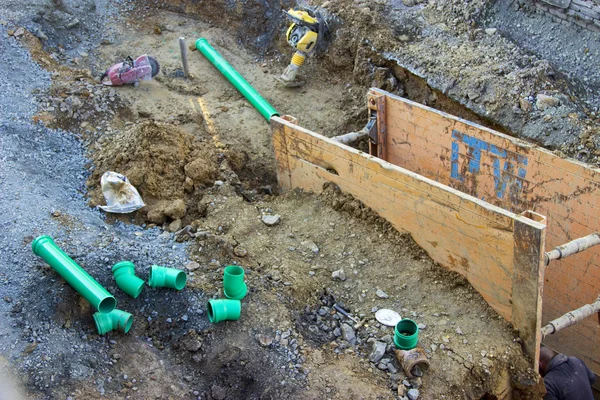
(166, 277)
(115, 320)
(127, 281)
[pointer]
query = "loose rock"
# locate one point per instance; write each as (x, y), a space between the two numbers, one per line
(381, 294)
(377, 352)
(413, 394)
(348, 334)
(339, 275)
(271, 220)
(544, 102)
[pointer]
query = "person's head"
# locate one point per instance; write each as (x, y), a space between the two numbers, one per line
(546, 356)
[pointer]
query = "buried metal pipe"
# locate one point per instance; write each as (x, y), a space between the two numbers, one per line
(234, 77)
(75, 276)
(572, 247)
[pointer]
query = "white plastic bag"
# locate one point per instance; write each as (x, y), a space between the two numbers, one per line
(121, 197)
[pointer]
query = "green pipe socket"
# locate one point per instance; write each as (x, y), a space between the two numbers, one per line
(75, 276)
(224, 310)
(127, 281)
(234, 286)
(406, 334)
(166, 277)
(115, 320)
(234, 77)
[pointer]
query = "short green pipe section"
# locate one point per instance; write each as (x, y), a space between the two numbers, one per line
(115, 320)
(75, 276)
(166, 277)
(127, 281)
(223, 310)
(236, 79)
(234, 286)
(406, 334)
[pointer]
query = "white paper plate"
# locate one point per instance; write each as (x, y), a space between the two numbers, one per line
(388, 317)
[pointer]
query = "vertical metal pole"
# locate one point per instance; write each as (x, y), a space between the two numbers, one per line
(184, 59)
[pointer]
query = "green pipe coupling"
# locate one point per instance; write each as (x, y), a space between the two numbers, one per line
(222, 310)
(115, 320)
(75, 276)
(234, 286)
(166, 277)
(406, 334)
(127, 281)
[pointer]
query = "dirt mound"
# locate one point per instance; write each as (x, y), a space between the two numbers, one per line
(169, 167)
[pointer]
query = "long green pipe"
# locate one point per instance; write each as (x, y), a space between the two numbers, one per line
(75, 276)
(236, 79)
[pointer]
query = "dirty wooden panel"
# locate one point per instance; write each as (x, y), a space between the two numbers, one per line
(463, 233)
(516, 176)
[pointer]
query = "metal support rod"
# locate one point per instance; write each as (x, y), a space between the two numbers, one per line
(571, 318)
(351, 136)
(572, 247)
(184, 59)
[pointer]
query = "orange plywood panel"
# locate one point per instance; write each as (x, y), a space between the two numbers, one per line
(515, 175)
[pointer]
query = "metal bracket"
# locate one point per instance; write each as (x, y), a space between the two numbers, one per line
(371, 127)
(377, 133)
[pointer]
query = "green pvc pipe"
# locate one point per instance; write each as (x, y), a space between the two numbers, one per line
(223, 310)
(114, 320)
(127, 281)
(166, 277)
(75, 276)
(234, 286)
(236, 79)
(406, 334)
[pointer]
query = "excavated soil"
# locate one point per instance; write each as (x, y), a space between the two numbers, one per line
(202, 160)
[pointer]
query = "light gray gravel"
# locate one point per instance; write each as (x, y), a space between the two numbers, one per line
(46, 332)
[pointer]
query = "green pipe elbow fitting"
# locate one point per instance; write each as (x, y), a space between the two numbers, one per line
(127, 281)
(114, 320)
(234, 77)
(406, 334)
(166, 277)
(224, 310)
(75, 276)
(234, 286)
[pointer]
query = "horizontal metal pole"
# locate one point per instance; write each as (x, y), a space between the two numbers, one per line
(572, 247)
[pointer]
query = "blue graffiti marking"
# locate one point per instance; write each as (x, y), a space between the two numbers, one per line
(504, 175)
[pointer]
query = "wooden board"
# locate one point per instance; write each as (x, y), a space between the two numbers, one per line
(516, 176)
(499, 252)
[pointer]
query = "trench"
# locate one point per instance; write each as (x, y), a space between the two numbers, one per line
(174, 344)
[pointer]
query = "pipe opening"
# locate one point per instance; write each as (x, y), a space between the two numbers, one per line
(211, 316)
(128, 324)
(180, 280)
(107, 305)
(234, 270)
(150, 276)
(139, 290)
